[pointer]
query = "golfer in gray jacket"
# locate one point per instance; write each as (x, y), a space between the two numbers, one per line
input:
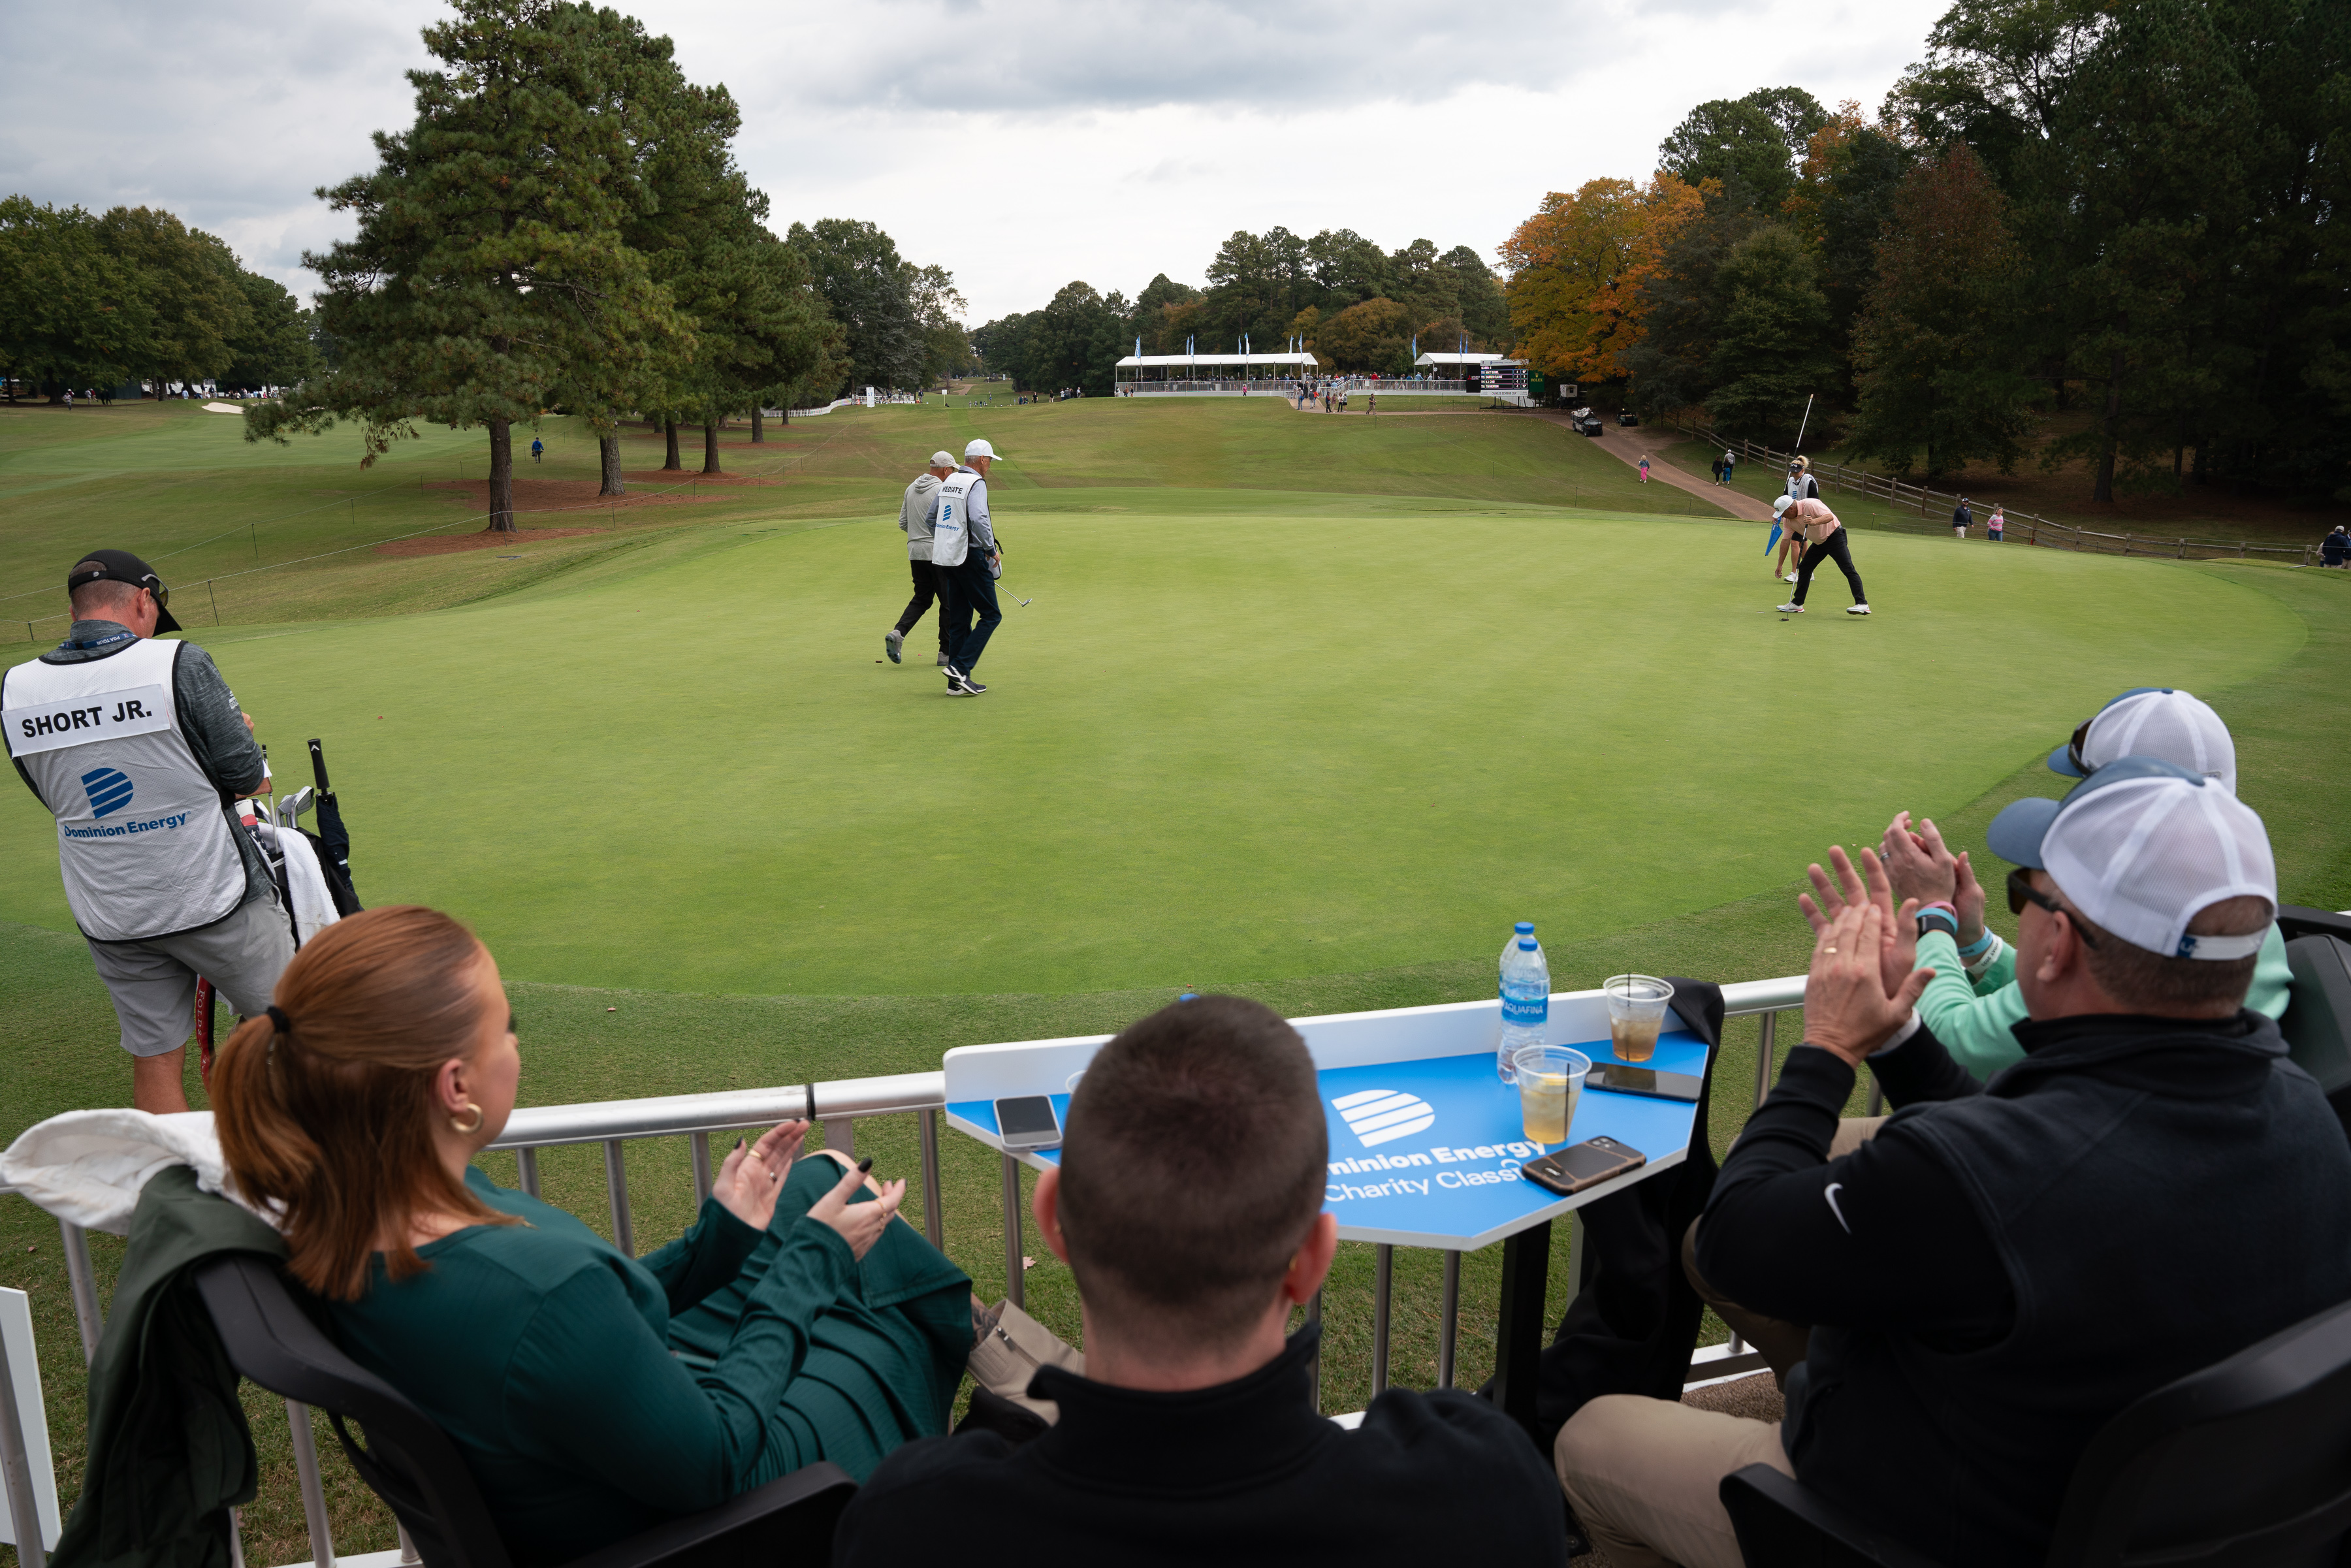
(916, 513)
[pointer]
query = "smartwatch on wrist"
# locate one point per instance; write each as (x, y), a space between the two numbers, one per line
(1940, 917)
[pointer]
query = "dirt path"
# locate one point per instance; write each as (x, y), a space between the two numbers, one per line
(1631, 444)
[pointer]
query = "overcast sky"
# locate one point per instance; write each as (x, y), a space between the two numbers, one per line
(1021, 144)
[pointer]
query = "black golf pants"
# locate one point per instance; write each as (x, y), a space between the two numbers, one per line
(969, 591)
(927, 588)
(1834, 548)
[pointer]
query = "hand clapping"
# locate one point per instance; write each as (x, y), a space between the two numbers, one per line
(860, 1224)
(747, 1183)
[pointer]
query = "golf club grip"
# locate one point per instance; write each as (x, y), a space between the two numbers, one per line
(318, 766)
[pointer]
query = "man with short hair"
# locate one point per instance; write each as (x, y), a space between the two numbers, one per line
(139, 750)
(964, 547)
(1189, 1204)
(916, 512)
(1824, 540)
(2000, 1271)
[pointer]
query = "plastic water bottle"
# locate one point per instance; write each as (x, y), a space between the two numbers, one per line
(1526, 998)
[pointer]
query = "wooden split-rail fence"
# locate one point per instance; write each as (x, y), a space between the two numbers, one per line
(1935, 507)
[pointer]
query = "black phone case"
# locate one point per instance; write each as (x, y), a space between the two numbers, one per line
(1635, 1160)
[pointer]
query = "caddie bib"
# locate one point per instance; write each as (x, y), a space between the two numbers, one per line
(143, 844)
(951, 535)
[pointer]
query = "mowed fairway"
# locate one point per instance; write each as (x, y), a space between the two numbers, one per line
(1222, 745)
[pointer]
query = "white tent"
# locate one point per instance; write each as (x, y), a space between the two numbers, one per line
(1429, 362)
(1212, 362)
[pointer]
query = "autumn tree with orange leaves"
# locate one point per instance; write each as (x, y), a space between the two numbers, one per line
(1577, 268)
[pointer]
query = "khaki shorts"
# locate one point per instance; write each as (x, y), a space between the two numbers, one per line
(153, 981)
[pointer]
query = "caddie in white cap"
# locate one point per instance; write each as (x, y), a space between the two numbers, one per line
(1974, 1004)
(918, 513)
(1976, 1292)
(964, 544)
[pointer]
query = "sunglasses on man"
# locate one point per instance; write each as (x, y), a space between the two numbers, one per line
(2021, 891)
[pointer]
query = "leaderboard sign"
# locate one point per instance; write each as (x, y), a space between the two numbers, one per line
(1502, 375)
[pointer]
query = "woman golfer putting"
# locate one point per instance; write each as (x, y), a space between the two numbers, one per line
(1823, 538)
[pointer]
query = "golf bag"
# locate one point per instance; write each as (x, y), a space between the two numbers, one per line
(312, 871)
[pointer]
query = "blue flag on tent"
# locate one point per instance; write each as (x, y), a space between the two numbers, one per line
(1773, 540)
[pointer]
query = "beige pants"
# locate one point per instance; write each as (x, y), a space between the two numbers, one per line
(1645, 1478)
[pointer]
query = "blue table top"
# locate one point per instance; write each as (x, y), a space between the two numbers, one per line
(1433, 1157)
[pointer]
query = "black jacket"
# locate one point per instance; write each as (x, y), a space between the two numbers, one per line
(2007, 1265)
(1243, 1473)
(169, 1448)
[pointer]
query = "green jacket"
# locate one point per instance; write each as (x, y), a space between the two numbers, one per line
(1974, 1021)
(170, 1452)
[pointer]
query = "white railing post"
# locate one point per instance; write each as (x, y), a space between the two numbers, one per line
(16, 1473)
(314, 1490)
(616, 1192)
(82, 1279)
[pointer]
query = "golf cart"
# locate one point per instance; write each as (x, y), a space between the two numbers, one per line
(1626, 416)
(1585, 422)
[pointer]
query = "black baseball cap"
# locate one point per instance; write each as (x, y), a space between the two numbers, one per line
(121, 566)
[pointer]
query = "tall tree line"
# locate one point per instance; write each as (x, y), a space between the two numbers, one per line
(564, 226)
(94, 302)
(2110, 232)
(1354, 305)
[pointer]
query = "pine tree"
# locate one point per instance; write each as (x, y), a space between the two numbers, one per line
(1938, 352)
(489, 262)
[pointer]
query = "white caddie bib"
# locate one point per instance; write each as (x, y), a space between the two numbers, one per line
(143, 844)
(951, 535)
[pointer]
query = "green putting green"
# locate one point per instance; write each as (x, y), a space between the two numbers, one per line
(1229, 742)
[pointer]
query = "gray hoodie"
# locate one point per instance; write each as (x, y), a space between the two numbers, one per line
(918, 512)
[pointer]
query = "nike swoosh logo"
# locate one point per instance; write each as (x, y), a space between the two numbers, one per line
(1830, 1194)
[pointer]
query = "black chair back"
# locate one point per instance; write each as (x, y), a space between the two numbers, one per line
(412, 1466)
(2317, 1022)
(2248, 1461)
(407, 1460)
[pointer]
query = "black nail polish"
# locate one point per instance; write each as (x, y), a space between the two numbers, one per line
(866, 1165)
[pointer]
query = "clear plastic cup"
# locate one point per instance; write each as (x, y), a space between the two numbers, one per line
(1551, 1081)
(1637, 1011)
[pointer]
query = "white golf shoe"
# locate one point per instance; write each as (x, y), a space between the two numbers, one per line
(1792, 608)
(1790, 578)
(1856, 610)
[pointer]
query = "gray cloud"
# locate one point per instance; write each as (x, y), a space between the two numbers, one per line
(1021, 143)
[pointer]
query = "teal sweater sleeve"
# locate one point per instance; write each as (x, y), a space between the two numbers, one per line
(1973, 1028)
(594, 1379)
(1975, 1024)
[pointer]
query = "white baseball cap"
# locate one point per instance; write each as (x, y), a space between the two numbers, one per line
(2152, 721)
(1781, 505)
(979, 449)
(942, 460)
(2142, 847)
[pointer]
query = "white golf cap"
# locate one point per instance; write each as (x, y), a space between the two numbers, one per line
(1781, 504)
(2142, 847)
(979, 449)
(942, 460)
(2152, 721)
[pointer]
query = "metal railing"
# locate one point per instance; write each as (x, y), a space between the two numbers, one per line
(836, 1106)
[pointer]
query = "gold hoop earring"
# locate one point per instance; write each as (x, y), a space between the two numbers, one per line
(466, 1127)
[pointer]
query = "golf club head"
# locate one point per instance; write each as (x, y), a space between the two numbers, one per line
(291, 809)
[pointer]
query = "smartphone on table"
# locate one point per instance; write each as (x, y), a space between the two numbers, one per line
(1027, 1123)
(1583, 1165)
(1623, 1080)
